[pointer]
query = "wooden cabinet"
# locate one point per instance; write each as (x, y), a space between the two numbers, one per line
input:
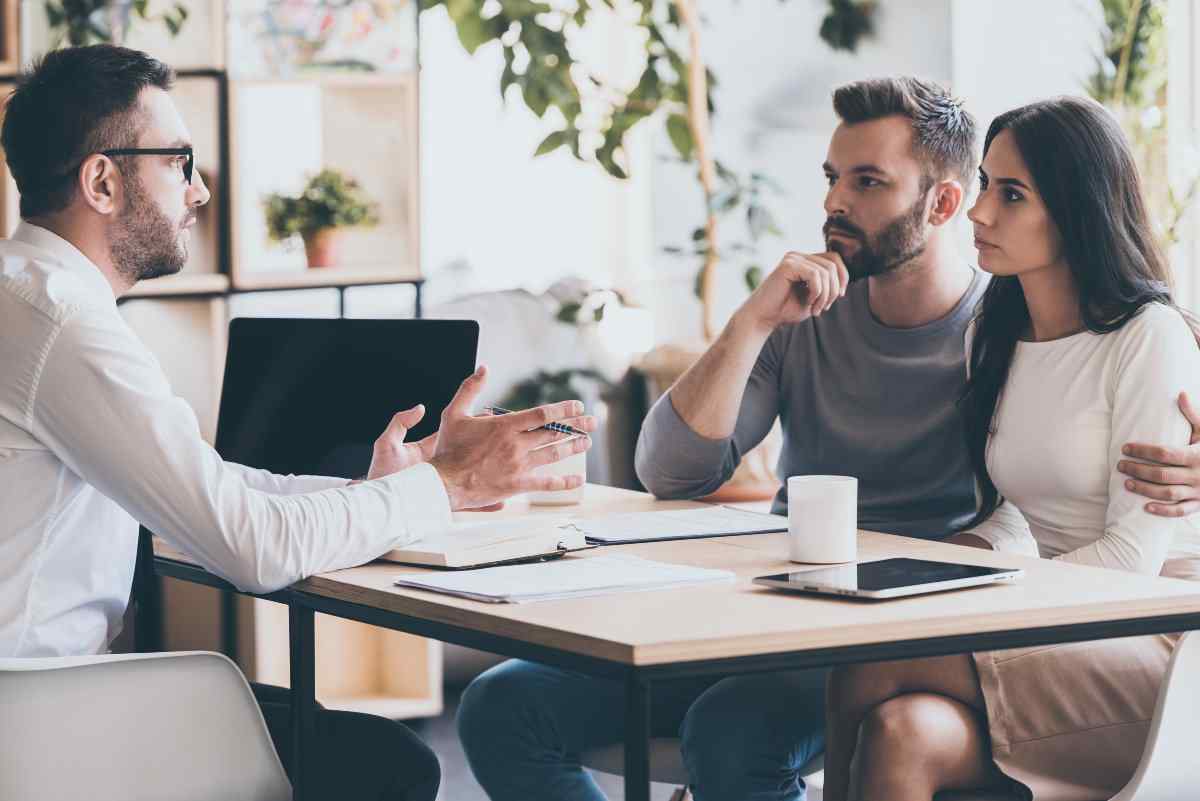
(288, 108)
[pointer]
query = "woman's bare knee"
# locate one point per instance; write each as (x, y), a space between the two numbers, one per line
(918, 744)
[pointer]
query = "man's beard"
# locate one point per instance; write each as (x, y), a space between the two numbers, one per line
(900, 241)
(144, 242)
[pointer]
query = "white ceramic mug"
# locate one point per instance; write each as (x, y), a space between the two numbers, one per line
(573, 465)
(822, 519)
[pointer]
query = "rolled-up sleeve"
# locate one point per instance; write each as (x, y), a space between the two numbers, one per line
(673, 461)
(104, 407)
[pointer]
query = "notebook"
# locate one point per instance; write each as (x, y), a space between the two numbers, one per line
(572, 577)
(679, 524)
(466, 545)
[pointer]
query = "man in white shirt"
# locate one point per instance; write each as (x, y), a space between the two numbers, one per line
(93, 441)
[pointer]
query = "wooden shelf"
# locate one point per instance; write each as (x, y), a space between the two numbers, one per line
(285, 130)
(10, 56)
(318, 277)
(333, 79)
(181, 284)
(385, 706)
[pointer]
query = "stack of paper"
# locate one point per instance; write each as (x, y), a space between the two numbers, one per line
(569, 577)
(681, 524)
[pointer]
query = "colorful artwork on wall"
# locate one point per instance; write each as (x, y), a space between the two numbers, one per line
(279, 38)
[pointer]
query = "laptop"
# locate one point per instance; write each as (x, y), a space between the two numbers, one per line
(310, 397)
(889, 578)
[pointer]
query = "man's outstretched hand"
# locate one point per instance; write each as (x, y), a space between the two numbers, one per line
(1173, 478)
(484, 460)
(391, 453)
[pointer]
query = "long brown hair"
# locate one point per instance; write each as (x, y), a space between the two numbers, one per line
(1085, 173)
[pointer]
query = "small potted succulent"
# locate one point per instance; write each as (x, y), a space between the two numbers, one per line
(330, 201)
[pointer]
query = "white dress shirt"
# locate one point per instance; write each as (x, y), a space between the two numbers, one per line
(1068, 407)
(93, 441)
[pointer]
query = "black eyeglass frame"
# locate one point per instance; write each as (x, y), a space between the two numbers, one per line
(159, 151)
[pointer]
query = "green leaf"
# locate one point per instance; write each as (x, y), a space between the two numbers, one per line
(458, 9)
(699, 234)
(508, 77)
(605, 155)
(698, 284)
(681, 135)
(762, 179)
(761, 222)
(551, 143)
(474, 31)
(753, 276)
(536, 95)
(568, 313)
(726, 201)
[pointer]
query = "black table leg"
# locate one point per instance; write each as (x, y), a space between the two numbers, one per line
(302, 636)
(637, 738)
(147, 598)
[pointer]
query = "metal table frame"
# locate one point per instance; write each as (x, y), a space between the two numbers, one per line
(638, 680)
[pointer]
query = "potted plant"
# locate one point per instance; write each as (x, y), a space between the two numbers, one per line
(84, 22)
(674, 88)
(330, 201)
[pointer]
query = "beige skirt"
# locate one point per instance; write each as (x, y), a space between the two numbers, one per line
(1069, 722)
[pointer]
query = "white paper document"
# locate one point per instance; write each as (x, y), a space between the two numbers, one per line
(569, 577)
(681, 524)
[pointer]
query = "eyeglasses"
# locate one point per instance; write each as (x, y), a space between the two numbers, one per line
(158, 151)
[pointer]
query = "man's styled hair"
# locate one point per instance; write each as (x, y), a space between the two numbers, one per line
(943, 131)
(68, 105)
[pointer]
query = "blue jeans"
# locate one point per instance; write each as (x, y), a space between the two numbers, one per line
(525, 725)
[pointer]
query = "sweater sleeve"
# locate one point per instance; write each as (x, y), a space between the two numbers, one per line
(673, 461)
(1156, 360)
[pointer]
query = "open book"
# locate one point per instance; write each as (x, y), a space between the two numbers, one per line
(480, 544)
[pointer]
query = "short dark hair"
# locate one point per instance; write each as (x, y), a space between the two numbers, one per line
(68, 105)
(943, 131)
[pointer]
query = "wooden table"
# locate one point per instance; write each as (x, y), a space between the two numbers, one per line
(722, 629)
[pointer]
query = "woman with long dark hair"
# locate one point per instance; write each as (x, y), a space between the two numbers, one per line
(1077, 348)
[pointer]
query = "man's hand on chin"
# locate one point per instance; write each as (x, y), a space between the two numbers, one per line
(1168, 476)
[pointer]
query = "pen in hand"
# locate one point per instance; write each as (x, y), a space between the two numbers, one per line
(560, 428)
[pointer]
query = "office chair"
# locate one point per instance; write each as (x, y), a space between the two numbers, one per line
(134, 727)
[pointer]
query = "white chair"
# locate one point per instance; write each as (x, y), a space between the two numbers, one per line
(1167, 772)
(168, 727)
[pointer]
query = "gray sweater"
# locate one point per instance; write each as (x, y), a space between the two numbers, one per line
(854, 397)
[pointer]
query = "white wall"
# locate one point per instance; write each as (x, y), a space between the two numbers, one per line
(774, 115)
(516, 220)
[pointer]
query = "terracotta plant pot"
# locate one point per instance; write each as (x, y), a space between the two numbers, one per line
(321, 247)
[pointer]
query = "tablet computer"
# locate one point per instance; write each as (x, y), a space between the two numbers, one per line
(888, 578)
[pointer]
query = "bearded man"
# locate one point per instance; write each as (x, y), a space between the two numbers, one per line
(859, 351)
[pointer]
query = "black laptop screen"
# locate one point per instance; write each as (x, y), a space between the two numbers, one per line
(311, 396)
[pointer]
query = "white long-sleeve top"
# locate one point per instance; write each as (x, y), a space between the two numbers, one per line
(1063, 416)
(93, 441)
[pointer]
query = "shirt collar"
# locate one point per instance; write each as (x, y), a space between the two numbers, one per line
(65, 255)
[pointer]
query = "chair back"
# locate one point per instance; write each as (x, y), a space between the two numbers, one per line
(1168, 769)
(134, 727)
